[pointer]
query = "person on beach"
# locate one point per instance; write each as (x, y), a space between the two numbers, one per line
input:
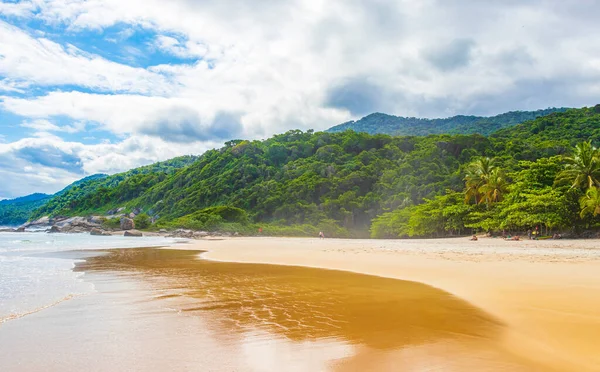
(321, 235)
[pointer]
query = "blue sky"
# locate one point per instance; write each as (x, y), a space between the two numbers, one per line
(101, 86)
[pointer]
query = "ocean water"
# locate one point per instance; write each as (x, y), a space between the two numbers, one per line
(32, 280)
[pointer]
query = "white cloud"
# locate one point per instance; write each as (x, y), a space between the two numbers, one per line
(173, 46)
(268, 66)
(20, 9)
(48, 163)
(39, 61)
(43, 125)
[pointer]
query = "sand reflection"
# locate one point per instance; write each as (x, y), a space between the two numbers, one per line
(303, 304)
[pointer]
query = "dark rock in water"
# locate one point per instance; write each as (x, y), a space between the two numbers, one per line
(20, 229)
(54, 229)
(127, 224)
(133, 233)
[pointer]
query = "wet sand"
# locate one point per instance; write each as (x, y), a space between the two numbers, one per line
(545, 293)
(220, 305)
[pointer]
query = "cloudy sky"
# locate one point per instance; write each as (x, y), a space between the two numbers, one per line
(89, 86)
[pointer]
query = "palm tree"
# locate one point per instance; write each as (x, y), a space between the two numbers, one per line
(494, 188)
(583, 168)
(478, 173)
(590, 202)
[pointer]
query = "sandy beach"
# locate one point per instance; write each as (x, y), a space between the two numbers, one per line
(545, 293)
(257, 304)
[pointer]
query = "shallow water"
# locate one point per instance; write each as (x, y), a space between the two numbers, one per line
(30, 281)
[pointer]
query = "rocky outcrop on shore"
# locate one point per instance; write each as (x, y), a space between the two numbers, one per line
(99, 232)
(127, 223)
(95, 225)
(135, 233)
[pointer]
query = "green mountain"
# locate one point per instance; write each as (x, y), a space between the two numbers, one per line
(125, 185)
(299, 182)
(15, 212)
(404, 126)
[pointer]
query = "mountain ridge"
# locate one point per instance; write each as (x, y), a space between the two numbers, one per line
(380, 123)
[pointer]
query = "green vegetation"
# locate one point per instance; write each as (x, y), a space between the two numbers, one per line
(542, 173)
(378, 123)
(142, 221)
(99, 193)
(17, 211)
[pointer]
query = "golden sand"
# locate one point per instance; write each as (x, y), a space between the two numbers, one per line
(391, 324)
(544, 293)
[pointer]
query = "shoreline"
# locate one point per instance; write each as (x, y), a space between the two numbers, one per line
(544, 291)
(542, 294)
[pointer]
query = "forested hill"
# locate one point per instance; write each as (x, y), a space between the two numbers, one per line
(341, 182)
(126, 185)
(16, 211)
(410, 126)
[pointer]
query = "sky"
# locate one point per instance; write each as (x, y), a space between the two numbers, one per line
(102, 86)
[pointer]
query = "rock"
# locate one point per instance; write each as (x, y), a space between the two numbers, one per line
(127, 224)
(119, 210)
(137, 211)
(133, 233)
(111, 212)
(20, 229)
(96, 220)
(96, 231)
(76, 224)
(163, 231)
(132, 215)
(54, 229)
(7, 230)
(200, 234)
(44, 221)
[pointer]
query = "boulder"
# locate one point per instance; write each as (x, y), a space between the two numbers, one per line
(132, 215)
(77, 224)
(54, 229)
(44, 221)
(96, 220)
(96, 231)
(20, 229)
(163, 231)
(119, 210)
(137, 211)
(127, 224)
(133, 233)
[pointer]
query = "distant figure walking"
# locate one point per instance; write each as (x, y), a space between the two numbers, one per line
(321, 235)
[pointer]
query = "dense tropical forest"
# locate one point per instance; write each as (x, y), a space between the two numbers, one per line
(17, 211)
(379, 123)
(544, 172)
(122, 186)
